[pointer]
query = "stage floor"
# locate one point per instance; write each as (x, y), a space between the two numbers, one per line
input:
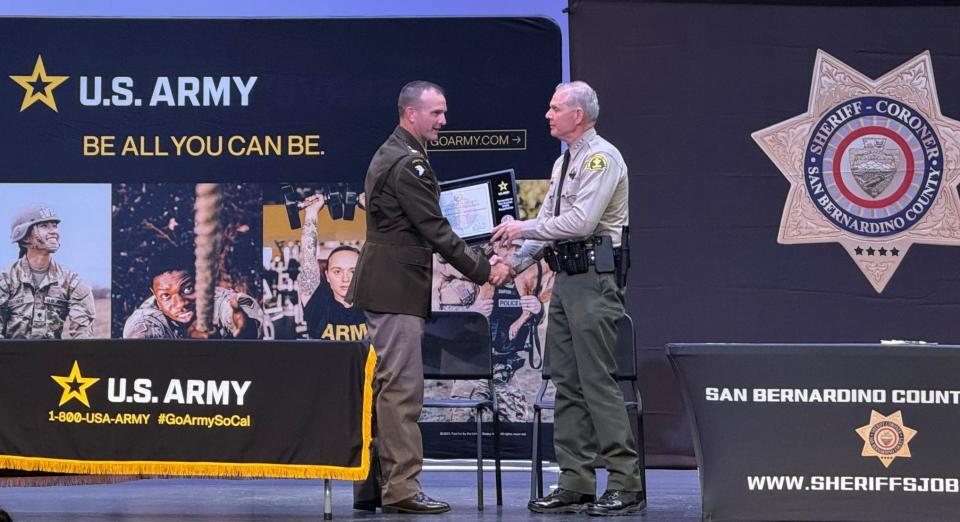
(673, 496)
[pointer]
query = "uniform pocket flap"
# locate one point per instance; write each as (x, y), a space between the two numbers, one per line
(13, 303)
(414, 255)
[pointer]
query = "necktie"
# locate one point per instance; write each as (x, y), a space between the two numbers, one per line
(563, 174)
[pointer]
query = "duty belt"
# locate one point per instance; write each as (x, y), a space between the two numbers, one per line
(576, 257)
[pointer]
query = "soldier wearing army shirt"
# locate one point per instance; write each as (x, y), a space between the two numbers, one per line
(392, 285)
(587, 198)
(39, 298)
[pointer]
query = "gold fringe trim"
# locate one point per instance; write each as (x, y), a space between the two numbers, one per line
(368, 373)
(197, 469)
(216, 469)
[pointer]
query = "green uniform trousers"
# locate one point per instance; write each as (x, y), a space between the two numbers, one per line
(398, 400)
(590, 419)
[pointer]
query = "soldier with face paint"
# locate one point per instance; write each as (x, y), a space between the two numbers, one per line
(170, 311)
(39, 298)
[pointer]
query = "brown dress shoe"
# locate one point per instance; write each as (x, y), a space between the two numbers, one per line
(614, 502)
(419, 504)
(561, 501)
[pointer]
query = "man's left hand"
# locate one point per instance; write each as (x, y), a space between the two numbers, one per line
(507, 231)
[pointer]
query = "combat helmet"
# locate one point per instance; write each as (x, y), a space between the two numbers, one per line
(26, 217)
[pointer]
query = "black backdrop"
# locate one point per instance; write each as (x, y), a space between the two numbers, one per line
(682, 86)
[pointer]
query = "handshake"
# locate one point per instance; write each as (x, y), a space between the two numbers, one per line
(500, 271)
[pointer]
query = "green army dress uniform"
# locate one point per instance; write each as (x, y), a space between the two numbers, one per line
(392, 284)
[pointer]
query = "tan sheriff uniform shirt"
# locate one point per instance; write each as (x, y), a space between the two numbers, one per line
(594, 200)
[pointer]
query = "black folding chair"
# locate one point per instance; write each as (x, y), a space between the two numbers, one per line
(456, 345)
(626, 356)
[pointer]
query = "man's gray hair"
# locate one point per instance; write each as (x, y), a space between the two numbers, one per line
(583, 96)
(410, 94)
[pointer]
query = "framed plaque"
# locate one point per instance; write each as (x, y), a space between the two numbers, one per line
(476, 204)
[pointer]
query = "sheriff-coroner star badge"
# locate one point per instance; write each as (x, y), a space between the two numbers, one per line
(885, 437)
(872, 165)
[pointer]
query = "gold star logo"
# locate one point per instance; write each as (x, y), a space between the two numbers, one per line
(502, 186)
(39, 86)
(75, 385)
(885, 437)
(871, 165)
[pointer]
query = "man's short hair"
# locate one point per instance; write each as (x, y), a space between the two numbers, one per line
(178, 259)
(583, 96)
(411, 92)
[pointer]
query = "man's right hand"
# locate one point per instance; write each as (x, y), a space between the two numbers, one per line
(500, 271)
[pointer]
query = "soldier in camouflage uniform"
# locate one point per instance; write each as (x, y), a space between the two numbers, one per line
(39, 298)
(170, 312)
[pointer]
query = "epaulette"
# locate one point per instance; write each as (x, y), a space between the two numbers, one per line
(73, 281)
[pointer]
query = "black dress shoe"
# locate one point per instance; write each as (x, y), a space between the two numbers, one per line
(614, 502)
(419, 504)
(366, 505)
(561, 501)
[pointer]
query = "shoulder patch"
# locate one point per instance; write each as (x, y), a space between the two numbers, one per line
(418, 166)
(597, 163)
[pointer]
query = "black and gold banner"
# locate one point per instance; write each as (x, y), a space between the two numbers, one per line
(861, 432)
(230, 408)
